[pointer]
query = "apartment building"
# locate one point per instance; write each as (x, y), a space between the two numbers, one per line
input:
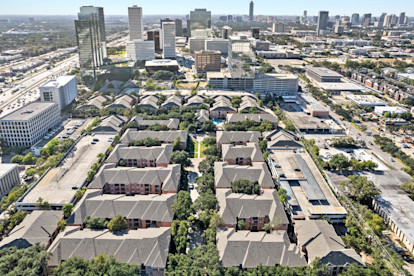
(30, 123)
(242, 155)
(137, 181)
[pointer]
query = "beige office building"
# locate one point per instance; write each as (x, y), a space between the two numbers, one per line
(207, 61)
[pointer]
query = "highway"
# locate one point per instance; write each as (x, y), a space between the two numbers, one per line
(32, 82)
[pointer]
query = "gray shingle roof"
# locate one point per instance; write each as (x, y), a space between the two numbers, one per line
(223, 103)
(172, 123)
(144, 207)
(172, 101)
(36, 227)
(251, 150)
(280, 138)
(195, 100)
(123, 101)
(168, 136)
(234, 118)
(250, 249)
(111, 123)
(161, 154)
(143, 246)
(249, 102)
(321, 241)
(233, 206)
(224, 137)
(202, 115)
(95, 102)
(225, 174)
(148, 102)
(167, 178)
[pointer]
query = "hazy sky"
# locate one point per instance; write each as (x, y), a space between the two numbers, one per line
(266, 7)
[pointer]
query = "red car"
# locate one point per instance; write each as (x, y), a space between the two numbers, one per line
(359, 134)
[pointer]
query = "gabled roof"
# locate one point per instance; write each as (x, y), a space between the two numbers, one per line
(250, 249)
(148, 247)
(235, 205)
(321, 241)
(222, 102)
(225, 137)
(96, 102)
(280, 138)
(234, 118)
(161, 154)
(125, 101)
(144, 207)
(249, 102)
(37, 227)
(148, 101)
(172, 123)
(202, 115)
(168, 178)
(111, 123)
(195, 100)
(173, 100)
(225, 174)
(167, 136)
(251, 150)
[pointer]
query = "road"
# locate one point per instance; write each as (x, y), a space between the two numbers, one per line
(7, 99)
(358, 135)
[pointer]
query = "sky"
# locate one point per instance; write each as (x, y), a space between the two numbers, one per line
(265, 7)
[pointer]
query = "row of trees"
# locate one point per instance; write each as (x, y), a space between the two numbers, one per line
(341, 162)
(249, 125)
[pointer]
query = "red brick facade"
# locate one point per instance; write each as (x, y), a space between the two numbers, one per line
(134, 224)
(141, 163)
(239, 161)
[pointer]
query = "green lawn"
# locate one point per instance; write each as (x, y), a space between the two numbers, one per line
(202, 148)
(195, 148)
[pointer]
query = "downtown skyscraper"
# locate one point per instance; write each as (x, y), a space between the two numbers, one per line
(136, 26)
(322, 22)
(91, 37)
(251, 10)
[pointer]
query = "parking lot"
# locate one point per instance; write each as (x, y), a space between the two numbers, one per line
(59, 185)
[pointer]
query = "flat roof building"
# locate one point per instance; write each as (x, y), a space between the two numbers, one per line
(161, 64)
(321, 74)
(9, 177)
(140, 50)
(207, 61)
(63, 90)
(365, 100)
(315, 107)
(136, 24)
(30, 123)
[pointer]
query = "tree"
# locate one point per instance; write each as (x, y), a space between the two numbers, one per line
(245, 186)
(212, 151)
(180, 157)
(61, 224)
(182, 207)
(28, 261)
(339, 162)
(177, 144)
(101, 265)
(118, 223)
(179, 231)
(361, 188)
(17, 159)
(235, 101)
(208, 126)
(241, 224)
(67, 209)
(95, 223)
(283, 196)
(263, 145)
(31, 172)
(205, 183)
(42, 204)
(209, 141)
(29, 159)
(205, 201)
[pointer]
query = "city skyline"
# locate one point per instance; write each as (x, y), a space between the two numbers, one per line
(296, 7)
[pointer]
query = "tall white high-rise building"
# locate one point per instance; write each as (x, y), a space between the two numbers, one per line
(62, 91)
(168, 40)
(139, 49)
(136, 26)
